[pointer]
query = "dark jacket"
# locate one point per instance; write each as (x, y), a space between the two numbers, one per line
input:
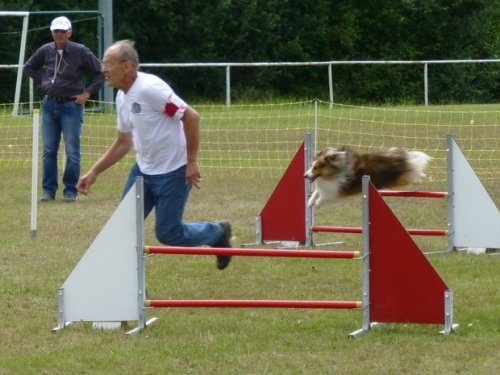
(77, 61)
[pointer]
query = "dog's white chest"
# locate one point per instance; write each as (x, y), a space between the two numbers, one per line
(325, 192)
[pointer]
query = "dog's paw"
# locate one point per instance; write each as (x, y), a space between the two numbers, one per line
(313, 199)
(318, 203)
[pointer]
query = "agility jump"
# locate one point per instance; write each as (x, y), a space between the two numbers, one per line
(109, 285)
(473, 218)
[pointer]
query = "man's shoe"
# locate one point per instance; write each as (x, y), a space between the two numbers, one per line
(225, 242)
(46, 197)
(69, 198)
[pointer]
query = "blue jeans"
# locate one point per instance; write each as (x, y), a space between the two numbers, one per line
(168, 194)
(61, 118)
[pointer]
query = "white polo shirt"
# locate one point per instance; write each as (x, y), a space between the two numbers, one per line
(153, 113)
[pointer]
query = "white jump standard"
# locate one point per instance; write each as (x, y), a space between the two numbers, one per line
(108, 284)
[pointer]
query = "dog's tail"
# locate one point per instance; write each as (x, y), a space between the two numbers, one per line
(419, 161)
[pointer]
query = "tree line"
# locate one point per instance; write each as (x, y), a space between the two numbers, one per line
(179, 31)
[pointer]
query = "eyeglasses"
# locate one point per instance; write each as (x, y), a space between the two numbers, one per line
(109, 64)
(60, 31)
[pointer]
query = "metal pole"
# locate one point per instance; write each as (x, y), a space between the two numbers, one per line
(451, 192)
(228, 86)
(34, 172)
(448, 312)
(315, 145)
(365, 255)
(330, 83)
(308, 188)
(17, 94)
(141, 271)
(426, 85)
(106, 9)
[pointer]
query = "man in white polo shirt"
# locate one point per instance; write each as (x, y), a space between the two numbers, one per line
(165, 133)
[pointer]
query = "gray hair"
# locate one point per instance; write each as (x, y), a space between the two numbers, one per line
(126, 51)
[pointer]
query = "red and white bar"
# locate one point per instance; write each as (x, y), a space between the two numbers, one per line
(298, 304)
(234, 251)
(415, 232)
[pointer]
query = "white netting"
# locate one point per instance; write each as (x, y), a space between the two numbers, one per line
(261, 139)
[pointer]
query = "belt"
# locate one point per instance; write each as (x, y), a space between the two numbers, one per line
(60, 99)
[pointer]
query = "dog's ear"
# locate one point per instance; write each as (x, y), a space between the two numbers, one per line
(336, 157)
(329, 151)
(325, 152)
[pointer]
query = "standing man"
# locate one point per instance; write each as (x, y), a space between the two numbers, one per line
(165, 133)
(59, 69)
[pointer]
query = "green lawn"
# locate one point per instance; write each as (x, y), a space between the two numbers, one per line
(246, 341)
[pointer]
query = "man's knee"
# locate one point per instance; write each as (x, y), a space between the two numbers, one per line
(172, 236)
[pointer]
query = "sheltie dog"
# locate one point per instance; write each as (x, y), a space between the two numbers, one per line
(337, 173)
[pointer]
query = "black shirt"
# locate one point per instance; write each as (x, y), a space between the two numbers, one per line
(64, 75)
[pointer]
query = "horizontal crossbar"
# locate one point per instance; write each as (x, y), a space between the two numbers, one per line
(337, 254)
(256, 303)
(416, 194)
(415, 232)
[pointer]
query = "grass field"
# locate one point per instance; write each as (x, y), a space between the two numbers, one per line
(244, 341)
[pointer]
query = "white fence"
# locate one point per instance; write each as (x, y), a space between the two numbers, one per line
(329, 64)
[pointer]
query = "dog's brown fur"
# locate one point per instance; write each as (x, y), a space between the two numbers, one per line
(340, 171)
